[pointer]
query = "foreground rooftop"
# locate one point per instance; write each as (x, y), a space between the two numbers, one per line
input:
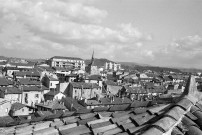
(184, 116)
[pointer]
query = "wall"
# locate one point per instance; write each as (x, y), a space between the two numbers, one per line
(22, 111)
(31, 97)
(5, 108)
(53, 84)
(63, 86)
(13, 97)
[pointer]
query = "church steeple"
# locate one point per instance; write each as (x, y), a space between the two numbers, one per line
(92, 59)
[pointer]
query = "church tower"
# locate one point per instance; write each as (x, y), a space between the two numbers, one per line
(92, 68)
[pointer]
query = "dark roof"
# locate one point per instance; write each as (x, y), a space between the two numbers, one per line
(31, 88)
(54, 105)
(10, 90)
(3, 82)
(27, 81)
(27, 73)
(84, 85)
(94, 77)
(115, 100)
(52, 93)
(17, 106)
(62, 57)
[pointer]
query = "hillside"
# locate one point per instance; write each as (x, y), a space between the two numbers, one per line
(142, 67)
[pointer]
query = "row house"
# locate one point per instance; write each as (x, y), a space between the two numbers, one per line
(66, 62)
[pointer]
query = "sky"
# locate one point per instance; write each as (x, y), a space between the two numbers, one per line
(156, 32)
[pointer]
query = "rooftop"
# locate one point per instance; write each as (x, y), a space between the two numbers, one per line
(184, 116)
(62, 57)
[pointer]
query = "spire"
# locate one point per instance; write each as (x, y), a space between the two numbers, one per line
(92, 59)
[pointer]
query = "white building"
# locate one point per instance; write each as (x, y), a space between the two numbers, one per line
(112, 66)
(66, 62)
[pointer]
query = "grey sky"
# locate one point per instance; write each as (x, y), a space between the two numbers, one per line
(157, 32)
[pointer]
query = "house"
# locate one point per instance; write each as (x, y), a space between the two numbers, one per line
(8, 71)
(94, 79)
(25, 65)
(60, 61)
(111, 87)
(52, 106)
(54, 95)
(11, 94)
(80, 90)
(71, 77)
(19, 109)
(32, 95)
(33, 75)
(50, 82)
(5, 106)
(72, 104)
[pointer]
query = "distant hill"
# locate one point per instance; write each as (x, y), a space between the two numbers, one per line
(142, 67)
(98, 62)
(190, 70)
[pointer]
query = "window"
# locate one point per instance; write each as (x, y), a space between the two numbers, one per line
(22, 110)
(6, 109)
(36, 95)
(50, 84)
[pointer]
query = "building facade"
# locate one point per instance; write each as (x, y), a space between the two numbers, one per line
(67, 62)
(112, 66)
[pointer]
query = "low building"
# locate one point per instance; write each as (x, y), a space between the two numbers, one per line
(32, 95)
(52, 106)
(19, 109)
(50, 82)
(11, 94)
(54, 95)
(80, 90)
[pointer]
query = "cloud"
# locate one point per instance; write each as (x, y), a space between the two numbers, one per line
(183, 52)
(72, 27)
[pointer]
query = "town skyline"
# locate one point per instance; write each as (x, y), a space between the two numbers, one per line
(157, 33)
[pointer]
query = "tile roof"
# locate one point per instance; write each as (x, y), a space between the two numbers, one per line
(27, 73)
(10, 90)
(17, 106)
(3, 82)
(54, 105)
(27, 81)
(31, 88)
(84, 85)
(182, 117)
